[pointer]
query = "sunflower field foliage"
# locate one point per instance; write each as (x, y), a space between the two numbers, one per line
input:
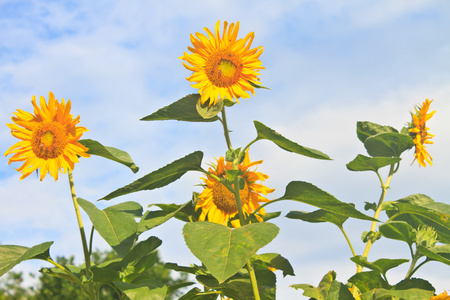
(228, 223)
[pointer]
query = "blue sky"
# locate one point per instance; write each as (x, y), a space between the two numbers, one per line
(329, 64)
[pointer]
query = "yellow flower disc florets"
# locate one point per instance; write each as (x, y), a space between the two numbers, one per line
(48, 140)
(223, 68)
(224, 199)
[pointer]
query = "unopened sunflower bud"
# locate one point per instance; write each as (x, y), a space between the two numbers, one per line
(426, 236)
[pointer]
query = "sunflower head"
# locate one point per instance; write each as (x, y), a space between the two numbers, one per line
(222, 65)
(419, 132)
(218, 203)
(49, 138)
(442, 296)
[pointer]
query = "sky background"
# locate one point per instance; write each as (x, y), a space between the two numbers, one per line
(328, 64)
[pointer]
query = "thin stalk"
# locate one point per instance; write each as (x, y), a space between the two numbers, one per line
(237, 197)
(348, 240)
(70, 274)
(251, 271)
(384, 187)
(412, 268)
(82, 233)
(225, 129)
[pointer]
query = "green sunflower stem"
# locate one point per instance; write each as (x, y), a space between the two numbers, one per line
(384, 187)
(226, 131)
(237, 196)
(251, 271)
(82, 233)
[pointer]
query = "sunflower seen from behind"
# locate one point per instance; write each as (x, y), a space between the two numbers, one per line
(49, 138)
(419, 132)
(222, 65)
(218, 203)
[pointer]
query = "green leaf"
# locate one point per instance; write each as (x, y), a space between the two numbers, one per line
(151, 219)
(368, 129)
(139, 251)
(434, 254)
(367, 281)
(410, 294)
(115, 224)
(196, 294)
(143, 290)
(381, 265)
(114, 154)
(276, 261)
(181, 110)
(12, 255)
(398, 230)
(257, 85)
(388, 144)
(339, 291)
(320, 292)
(207, 111)
(161, 177)
(265, 132)
(364, 163)
(224, 250)
(416, 215)
(307, 193)
(239, 287)
(318, 216)
(406, 284)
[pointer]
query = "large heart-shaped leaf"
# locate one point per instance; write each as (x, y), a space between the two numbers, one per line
(410, 294)
(388, 144)
(114, 154)
(115, 224)
(161, 177)
(307, 193)
(368, 129)
(398, 230)
(181, 110)
(265, 132)
(224, 250)
(12, 255)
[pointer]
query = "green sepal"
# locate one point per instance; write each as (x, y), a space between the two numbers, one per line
(275, 260)
(388, 144)
(116, 224)
(365, 163)
(224, 250)
(184, 109)
(114, 154)
(209, 111)
(398, 230)
(307, 193)
(161, 177)
(265, 132)
(381, 265)
(12, 255)
(368, 129)
(257, 85)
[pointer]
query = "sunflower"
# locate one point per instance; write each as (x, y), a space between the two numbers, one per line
(218, 202)
(442, 296)
(419, 132)
(223, 67)
(49, 138)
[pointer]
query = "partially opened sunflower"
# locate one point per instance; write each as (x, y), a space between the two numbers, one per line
(218, 203)
(223, 66)
(49, 138)
(419, 131)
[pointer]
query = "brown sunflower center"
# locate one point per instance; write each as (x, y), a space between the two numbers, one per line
(224, 199)
(49, 140)
(224, 68)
